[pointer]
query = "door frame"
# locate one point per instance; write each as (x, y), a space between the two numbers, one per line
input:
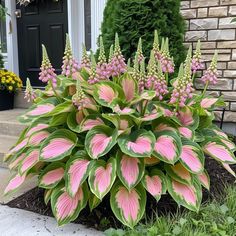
(76, 31)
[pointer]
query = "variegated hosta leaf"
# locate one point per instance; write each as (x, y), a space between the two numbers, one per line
(128, 205)
(51, 175)
(154, 183)
(167, 146)
(204, 179)
(36, 128)
(37, 110)
(93, 202)
(229, 169)
(66, 208)
(19, 146)
(99, 141)
(189, 196)
(208, 102)
(188, 118)
(16, 160)
(64, 107)
(130, 170)
(102, 176)
(186, 132)
(218, 150)
(150, 161)
(77, 171)
(47, 195)
(139, 143)
(60, 119)
(106, 92)
(123, 111)
(58, 145)
(14, 183)
(179, 173)
(30, 160)
(192, 156)
(38, 137)
(146, 95)
(129, 86)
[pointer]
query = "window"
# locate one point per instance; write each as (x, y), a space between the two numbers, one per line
(87, 23)
(3, 38)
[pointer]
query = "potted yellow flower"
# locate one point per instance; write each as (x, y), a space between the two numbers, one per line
(9, 84)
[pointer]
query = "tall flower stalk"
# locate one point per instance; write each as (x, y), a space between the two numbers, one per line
(30, 94)
(197, 63)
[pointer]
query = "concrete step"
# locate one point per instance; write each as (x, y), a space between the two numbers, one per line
(6, 142)
(9, 124)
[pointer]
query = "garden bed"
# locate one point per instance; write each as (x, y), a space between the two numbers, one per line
(102, 217)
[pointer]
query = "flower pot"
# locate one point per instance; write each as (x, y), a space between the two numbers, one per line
(6, 100)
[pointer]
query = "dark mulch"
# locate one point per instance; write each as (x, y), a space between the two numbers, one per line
(102, 217)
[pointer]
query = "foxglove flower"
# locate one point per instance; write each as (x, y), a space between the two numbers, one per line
(183, 86)
(142, 77)
(70, 65)
(47, 73)
(117, 64)
(140, 51)
(79, 99)
(167, 62)
(155, 78)
(210, 76)
(93, 76)
(197, 63)
(29, 92)
(102, 66)
(85, 61)
(156, 47)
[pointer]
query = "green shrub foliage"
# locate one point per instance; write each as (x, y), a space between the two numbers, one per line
(139, 18)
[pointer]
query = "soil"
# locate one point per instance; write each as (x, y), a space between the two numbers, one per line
(102, 217)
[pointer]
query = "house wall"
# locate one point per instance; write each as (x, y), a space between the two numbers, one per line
(210, 21)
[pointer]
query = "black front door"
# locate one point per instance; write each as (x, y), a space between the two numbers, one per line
(41, 22)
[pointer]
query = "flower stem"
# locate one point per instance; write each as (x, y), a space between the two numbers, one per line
(205, 88)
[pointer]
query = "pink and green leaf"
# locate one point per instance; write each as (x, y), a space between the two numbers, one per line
(128, 205)
(58, 145)
(14, 183)
(167, 146)
(77, 171)
(154, 183)
(188, 117)
(204, 179)
(187, 195)
(52, 175)
(179, 173)
(219, 151)
(66, 208)
(47, 195)
(150, 161)
(208, 102)
(229, 169)
(192, 156)
(93, 202)
(38, 137)
(102, 176)
(186, 132)
(130, 170)
(100, 140)
(139, 143)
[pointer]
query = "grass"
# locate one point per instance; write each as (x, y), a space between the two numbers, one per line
(215, 218)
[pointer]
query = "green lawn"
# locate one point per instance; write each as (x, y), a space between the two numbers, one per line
(215, 218)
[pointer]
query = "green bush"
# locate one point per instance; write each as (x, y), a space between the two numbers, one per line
(1, 61)
(139, 18)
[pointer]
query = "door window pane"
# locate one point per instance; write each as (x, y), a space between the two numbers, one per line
(3, 39)
(87, 23)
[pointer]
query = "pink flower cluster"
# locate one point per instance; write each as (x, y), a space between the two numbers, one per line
(93, 77)
(155, 78)
(29, 92)
(117, 65)
(196, 61)
(156, 47)
(70, 65)
(140, 51)
(85, 61)
(167, 64)
(210, 76)
(79, 99)
(47, 72)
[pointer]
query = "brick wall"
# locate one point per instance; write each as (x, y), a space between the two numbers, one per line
(209, 21)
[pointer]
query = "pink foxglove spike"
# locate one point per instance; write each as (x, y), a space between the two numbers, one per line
(47, 71)
(102, 66)
(210, 76)
(155, 78)
(183, 86)
(29, 92)
(93, 77)
(197, 63)
(117, 65)
(111, 52)
(85, 61)
(142, 77)
(70, 65)
(156, 46)
(79, 99)
(167, 62)
(140, 51)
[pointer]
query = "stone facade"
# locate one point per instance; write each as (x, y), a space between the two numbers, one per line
(210, 21)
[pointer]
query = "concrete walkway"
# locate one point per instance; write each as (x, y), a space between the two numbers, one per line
(16, 222)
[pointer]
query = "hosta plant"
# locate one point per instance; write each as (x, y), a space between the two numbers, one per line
(104, 127)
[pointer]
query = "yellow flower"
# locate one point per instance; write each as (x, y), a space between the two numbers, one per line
(10, 88)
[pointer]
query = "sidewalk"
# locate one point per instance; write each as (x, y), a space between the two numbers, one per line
(23, 223)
